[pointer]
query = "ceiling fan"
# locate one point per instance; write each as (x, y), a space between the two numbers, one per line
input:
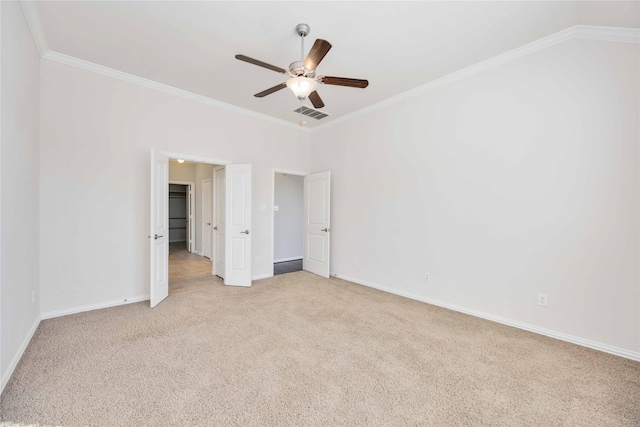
(303, 80)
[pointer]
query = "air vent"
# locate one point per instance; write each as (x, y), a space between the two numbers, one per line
(310, 112)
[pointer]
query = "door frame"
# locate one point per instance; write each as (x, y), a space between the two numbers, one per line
(274, 171)
(195, 159)
(214, 239)
(192, 202)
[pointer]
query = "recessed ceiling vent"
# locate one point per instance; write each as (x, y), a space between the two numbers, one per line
(310, 112)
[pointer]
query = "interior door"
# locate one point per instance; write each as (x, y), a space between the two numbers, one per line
(317, 223)
(237, 225)
(219, 222)
(206, 217)
(159, 231)
(190, 227)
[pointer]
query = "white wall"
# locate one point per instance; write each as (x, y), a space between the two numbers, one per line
(185, 172)
(287, 223)
(20, 105)
(519, 180)
(94, 245)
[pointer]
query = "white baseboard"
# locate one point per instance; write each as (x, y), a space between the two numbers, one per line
(198, 253)
(7, 375)
(628, 354)
(293, 258)
(262, 276)
(107, 304)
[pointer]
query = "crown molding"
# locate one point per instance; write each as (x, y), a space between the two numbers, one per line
(607, 34)
(30, 12)
(586, 32)
(130, 78)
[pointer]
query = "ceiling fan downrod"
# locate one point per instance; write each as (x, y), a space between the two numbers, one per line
(302, 30)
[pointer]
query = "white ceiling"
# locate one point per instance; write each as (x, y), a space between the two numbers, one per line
(397, 46)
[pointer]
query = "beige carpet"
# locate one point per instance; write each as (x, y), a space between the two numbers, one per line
(297, 349)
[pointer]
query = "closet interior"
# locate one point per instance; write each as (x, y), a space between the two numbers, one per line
(178, 223)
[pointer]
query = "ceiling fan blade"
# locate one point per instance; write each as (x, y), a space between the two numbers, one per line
(270, 90)
(317, 52)
(316, 100)
(341, 81)
(260, 63)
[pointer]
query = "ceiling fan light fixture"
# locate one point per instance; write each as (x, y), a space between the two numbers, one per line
(302, 86)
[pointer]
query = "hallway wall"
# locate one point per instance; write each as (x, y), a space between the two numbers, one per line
(19, 188)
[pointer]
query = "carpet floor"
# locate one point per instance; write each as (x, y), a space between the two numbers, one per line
(298, 349)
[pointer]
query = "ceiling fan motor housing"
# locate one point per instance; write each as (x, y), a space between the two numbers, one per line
(296, 69)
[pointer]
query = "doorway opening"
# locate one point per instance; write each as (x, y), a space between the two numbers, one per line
(237, 240)
(190, 216)
(181, 205)
(288, 224)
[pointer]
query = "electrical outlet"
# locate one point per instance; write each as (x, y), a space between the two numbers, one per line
(355, 262)
(426, 276)
(543, 300)
(257, 260)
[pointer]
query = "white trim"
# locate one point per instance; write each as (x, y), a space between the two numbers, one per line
(90, 307)
(628, 354)
(607, 34)
(12, 366)
(130, 78)
(196, 159)
(293, 258)
(261, 276)
(182, 182)
(290, 172)
(30, 12)
(587, 32)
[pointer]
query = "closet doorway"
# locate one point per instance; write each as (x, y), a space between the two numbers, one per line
(288, 224)
(189, 259)
(181, 205)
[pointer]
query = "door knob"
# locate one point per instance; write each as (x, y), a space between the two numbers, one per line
(325, 230)
(208, 223)
(156, 237)
(245, 232)
(215, 228)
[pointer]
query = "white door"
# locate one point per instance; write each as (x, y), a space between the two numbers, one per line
(206, 217)
(159, 235)
(317, 194)
(218, 221)
(237, 225)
